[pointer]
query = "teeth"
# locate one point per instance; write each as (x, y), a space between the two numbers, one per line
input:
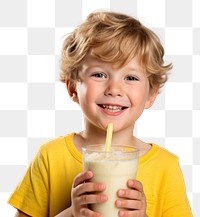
(111, 108)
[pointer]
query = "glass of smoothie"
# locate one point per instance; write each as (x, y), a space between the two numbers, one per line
(114, 169)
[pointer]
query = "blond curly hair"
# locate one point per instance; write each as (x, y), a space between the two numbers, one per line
(119, 38)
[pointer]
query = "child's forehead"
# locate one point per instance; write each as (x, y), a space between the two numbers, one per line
(93, 61)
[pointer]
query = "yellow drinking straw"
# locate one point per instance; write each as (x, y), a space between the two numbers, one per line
(109, 136)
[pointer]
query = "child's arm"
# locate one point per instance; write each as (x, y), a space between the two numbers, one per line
(132, 199)
(83, 194)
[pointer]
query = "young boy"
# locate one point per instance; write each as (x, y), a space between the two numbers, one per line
(113, 68)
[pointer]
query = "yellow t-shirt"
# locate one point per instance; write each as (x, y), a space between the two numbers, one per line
(46, 187)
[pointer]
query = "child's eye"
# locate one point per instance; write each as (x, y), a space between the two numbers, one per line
(99, 75)
(131, 78)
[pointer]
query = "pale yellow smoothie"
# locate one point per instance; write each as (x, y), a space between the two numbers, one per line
(113, 169)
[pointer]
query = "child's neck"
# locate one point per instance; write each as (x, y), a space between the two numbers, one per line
(96, 136)
(99, 136)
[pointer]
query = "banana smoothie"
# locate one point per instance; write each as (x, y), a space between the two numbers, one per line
(114, 169)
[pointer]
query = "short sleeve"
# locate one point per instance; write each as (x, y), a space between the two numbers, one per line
(175, 199)
(32, 194)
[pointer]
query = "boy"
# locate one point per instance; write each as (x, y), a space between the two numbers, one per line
(113, 68)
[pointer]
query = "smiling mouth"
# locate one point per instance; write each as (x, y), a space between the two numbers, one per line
(112, 108)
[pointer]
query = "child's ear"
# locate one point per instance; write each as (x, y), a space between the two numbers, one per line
(153, 92)
(71, 88)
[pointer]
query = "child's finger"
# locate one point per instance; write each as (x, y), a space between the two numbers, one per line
(85, 199)
(135, 191)
(87, 212)
(129, 204)
(130, 194)
(88, 187)
(82, 177)
(137, 185)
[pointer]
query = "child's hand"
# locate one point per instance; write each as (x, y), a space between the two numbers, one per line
(84, 193)
(132, 202)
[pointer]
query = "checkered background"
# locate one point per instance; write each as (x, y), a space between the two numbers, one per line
(35, 107)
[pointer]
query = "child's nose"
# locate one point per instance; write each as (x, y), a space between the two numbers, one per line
(114, 88)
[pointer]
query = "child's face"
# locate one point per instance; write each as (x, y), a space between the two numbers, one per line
(107, 95)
